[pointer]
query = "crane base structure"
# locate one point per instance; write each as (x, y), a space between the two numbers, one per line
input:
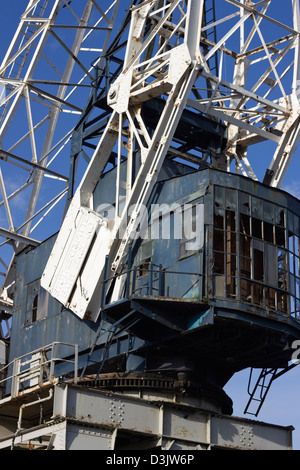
(84, 417)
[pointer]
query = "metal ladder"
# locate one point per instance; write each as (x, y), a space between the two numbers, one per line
(261, 389)
(113, 331)
(110, 335)
(209, 17)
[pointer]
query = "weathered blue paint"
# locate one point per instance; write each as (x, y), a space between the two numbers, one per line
(180, 184)
(202, 319)
(59, 324)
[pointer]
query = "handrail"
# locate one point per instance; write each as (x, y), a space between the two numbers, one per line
(132, 286)
(38, 365)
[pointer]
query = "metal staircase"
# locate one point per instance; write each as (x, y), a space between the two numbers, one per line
(109, 333)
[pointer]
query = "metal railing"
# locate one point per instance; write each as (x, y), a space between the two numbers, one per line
(156, 281)
(37, 368)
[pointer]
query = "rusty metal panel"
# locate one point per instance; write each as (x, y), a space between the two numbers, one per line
(191, 427)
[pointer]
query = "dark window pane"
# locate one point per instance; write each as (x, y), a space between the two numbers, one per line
(258, 258)
(231, 287)
(290, 222)
(230, 242)
(280, 236)
(35, 308)
(246, 290)
(219, 240)
(271, 298)
(279, 216)
(257, 228)
(245, 224)
(219, 219)
(230, 221)
(246, 267)
(268, 232)
(245, 246)
(219, 263)
(231, 265)
(258, 294)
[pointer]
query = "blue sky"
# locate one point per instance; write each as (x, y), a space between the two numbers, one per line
(282, 405)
